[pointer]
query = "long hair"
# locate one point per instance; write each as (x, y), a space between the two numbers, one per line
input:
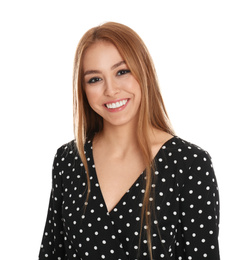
(152, 112)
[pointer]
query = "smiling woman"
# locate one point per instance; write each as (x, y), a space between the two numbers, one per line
(109, 85)
(127, 187)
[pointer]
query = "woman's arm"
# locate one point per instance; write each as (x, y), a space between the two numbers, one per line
(199, 213)
(52, 246)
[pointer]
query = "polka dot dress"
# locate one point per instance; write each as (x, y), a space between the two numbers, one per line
(184, 226)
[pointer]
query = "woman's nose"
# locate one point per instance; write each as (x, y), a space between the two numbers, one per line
(111, 88)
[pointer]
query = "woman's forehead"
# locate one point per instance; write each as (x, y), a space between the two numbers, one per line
(101, 55)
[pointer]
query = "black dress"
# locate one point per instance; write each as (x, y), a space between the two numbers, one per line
(184, 226)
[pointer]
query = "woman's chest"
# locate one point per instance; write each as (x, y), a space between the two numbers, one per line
(126, 210)
(116, 177)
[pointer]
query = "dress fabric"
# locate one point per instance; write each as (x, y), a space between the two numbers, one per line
(186, 201)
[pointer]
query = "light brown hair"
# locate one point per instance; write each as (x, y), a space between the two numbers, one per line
(152, 111)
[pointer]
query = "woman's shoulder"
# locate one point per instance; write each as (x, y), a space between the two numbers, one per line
(183, 147)
(69, 151)
(187, 159)
(67, 161)
(66, 149)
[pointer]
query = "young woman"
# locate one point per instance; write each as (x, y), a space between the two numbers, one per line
(127, 187)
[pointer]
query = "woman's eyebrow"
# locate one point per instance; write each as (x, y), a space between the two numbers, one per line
(117, 65)
(92, 72)
(98, 71)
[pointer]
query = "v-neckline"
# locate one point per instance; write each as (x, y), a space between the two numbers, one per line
(133, 184)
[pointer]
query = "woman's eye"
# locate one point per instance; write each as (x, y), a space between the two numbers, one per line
(94, 80)
(122, 72)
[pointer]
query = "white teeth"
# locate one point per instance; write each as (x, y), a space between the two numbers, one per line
(117, 104)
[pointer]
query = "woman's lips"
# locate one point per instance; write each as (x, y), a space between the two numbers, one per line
(117, 105)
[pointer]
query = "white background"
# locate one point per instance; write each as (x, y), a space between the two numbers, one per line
(198, 50)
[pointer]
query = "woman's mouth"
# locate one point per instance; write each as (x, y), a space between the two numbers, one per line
(118, 105)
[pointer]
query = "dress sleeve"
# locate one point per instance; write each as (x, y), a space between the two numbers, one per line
(52, 247)
(199, 213)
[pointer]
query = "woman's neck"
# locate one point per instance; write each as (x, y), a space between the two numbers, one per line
(122, 140)
(118, 139)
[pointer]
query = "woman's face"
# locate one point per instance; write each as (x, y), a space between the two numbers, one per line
(111, 89)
